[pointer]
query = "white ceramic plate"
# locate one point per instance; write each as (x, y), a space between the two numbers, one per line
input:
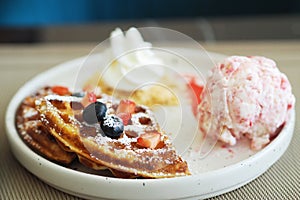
(223, 170)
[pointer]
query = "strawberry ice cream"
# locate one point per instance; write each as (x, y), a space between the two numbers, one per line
(245, 96)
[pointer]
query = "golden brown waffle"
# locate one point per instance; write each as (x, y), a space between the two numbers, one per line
(62, 116)
(34, 133)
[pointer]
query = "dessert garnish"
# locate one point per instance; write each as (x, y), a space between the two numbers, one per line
(118, 135)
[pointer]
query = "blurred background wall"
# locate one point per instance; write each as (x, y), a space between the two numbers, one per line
(87, 20)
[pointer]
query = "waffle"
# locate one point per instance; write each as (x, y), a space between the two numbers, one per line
(35, 134)
(62, 115)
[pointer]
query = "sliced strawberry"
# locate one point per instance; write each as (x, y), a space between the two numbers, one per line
(60, 90)
(149, 139)
(126, 117)
(196, 99)
(196, 89)
(126, 106)
(95, 89)
(89, 98)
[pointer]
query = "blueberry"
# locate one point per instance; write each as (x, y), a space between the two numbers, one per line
(94, 113)
(112, 126)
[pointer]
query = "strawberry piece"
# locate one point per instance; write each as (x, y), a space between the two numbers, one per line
(195, 91)
(92, 97)
(196, 96)
(126, 117)
(95, 89)
(60, 90)
(149, 140)
(126, 106)
(89, 98)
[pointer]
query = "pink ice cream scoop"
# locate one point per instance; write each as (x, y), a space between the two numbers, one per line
(245, 96)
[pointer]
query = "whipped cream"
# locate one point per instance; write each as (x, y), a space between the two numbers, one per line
(135, 64)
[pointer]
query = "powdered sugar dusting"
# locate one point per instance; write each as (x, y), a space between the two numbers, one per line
(30, 112)
(124, 153)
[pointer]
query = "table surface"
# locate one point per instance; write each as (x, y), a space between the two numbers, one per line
(19, 63)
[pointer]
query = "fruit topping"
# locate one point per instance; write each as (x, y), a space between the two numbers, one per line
(95, 89)
(112, 126)
(94, 113)
(196, 88)
(126, 106)
(60, 90)
(149, 139)
(89, 98)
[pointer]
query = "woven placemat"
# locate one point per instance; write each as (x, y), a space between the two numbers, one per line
(281, 181)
